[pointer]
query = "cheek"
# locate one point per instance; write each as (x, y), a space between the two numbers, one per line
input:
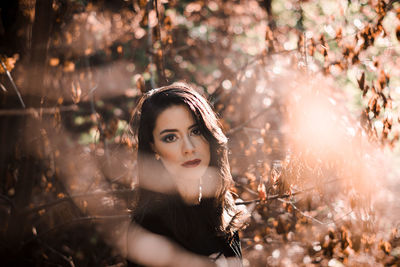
(169, 156)
(169, 153)
(171, 162)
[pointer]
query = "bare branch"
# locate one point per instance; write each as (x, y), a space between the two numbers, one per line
(305, 51)
(67, 198)
(76, 220)
(37, 111)
(67, 259)
(12, 83)
(259, 200)
(313, 218)
(277, 196)
(301, 212)
(150, 43)
(3, 88)
(241, 126)
(162, 63)
(8, 200)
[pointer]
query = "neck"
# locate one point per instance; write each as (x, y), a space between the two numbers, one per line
(188, 189)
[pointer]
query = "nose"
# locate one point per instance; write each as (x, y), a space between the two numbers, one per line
(188, 146)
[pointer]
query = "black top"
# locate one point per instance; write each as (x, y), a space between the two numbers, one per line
(194, 227)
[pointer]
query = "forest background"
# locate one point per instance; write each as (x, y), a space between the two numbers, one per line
(307, 93)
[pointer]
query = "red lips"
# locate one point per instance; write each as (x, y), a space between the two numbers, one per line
(191, 163)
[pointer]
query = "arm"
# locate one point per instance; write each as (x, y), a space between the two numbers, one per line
(151, 249)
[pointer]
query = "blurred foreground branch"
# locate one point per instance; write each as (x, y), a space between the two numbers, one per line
(67, 259)
(67, 198)
(36, 112)
(76, 220)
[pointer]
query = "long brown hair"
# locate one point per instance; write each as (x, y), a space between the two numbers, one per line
(150, 107)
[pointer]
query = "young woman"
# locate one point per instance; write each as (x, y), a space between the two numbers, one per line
(184, 203)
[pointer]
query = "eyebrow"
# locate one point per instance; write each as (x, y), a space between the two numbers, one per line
(175, 130)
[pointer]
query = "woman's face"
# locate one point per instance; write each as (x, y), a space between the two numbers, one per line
(183, 150)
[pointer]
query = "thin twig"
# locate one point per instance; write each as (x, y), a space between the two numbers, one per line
(248, 189)
(94, 114)
(259, 200)
(277, 196)
(36, 111)
(258, 130)
(76, 220)
(12, 83)
(67, 198)
(301, 212)
(305, 51)
(249, 63)
(67, 259)
(8, 200)
(3, 88)
(150, 43)
(99, 129)
(182, 48)
(313, 218)
(241, 126)
(161, 44)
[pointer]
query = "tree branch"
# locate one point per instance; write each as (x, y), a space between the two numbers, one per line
(67, 198)
(8, 200)
(67, 259)
(80, 219)
(12, 83)
(313, 218)
(37, 111)
(277, 196)
(162, 60)
(241, 126)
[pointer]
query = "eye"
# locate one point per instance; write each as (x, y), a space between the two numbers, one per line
(169, 138)
(196, 131)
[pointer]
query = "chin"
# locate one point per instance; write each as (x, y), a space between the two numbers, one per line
(195, 173)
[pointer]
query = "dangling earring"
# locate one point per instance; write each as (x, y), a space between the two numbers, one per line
(157, 156)
(200, 191)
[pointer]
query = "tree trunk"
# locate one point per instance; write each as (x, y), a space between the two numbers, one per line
(19, 161)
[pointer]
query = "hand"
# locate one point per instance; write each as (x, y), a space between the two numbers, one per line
(185, 259)
(228, 262)
(151, 249)
(222, 261)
